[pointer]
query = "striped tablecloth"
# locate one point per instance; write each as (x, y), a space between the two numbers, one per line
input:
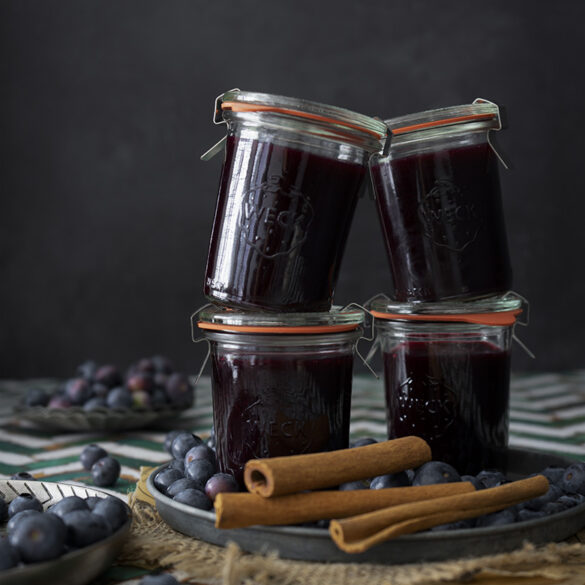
(547, 414)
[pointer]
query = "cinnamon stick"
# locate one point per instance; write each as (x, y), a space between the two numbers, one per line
(276, 476)
(358, 533)
(237, 510)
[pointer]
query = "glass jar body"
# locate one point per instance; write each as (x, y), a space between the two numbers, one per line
(284, 209)
(449, 384)
(277, 394)
(440, 207)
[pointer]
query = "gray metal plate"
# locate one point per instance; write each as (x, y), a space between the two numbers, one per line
(74, 568)
(314, 544)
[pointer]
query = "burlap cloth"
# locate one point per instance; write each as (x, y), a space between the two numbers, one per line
(154, 544)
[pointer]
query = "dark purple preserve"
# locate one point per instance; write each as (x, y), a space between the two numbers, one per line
(443, 222)
(282, 219)
(453, 395)
(285, 403)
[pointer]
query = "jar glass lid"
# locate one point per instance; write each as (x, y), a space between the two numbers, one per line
(481, 114)
(236, 100)
(224, 319)
(494, 310)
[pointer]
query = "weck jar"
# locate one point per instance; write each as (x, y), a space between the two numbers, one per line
(447, 376)
(291, 177)
(439, 202)
(281, 382)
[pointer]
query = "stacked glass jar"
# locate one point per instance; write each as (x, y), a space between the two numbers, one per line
(446, 331)
(282, 357)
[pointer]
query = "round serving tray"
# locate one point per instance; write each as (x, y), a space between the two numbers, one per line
(315, 544)
(78, 567)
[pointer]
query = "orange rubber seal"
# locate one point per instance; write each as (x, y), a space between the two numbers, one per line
(500, 318)
(444, 122)
(267, 329)
(246, 107)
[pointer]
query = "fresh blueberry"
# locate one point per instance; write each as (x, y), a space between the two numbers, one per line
(199, 470)
(477, 483)
(78, 391)
(140, 381)
(16, 518)
(220, 483)
(571, 500)
(68, 504)
(390, 480)
(194, 498)
(573, 480)
(182, 443)
(525, 514)
(552, 495)
(91, 501)
(349, 486)
(38, 537)
(178, 464)
(180, 485)
(36, 397)
(491, 478)
(108, 375)
(170, 437)
(553, 508)
(179, 390)
(164, 478)
(162, 364)
(145, 365)
(91, 454)
(119, 397)
(22, 476)
(105, 472)
(506, 516)
(434, 472)
(113, 510)
(99, 390)
(554, 474)
(9, 556)
(24, 502)
(160, 579)
(85, 528)
(95, 403)
(363, 441)
(59, 401)
(201, 451)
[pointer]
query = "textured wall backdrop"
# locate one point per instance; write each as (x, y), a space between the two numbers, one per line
(105, 107)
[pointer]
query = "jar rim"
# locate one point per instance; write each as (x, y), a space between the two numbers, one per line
(493, 310)
(247, 101)
(338, 319)
(483, 114)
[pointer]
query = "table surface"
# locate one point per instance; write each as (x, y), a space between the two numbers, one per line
(547, 414)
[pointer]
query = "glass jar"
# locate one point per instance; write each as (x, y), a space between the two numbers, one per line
(281, 383)
(439, 202)
(447, 375)
(292, 173)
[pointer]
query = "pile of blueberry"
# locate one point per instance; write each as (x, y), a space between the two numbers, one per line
(567, 489)
(34, 535)
(151, 383)
(191, 477)
(105, 470)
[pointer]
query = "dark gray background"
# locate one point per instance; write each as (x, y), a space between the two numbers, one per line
(106, 209)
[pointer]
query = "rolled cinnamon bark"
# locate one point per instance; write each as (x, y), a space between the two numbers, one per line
(358, 533)
(277, 476)
(236, 510)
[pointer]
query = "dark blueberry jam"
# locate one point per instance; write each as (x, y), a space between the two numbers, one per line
(282, 219)
(442, 218)
(278, 404)
(453, 395)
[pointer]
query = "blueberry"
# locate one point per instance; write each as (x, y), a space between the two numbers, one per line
(108, 375)
(140, 381)
(199, 470)
(3, 510)
(169, 438)
(105, 472)
(22, 476)
(182, 443)
(552, 495)
(91, 454)
(179, 390)
(162, 364)
(180, 485)
(525, 514)
(59, 401)
(24, 502)
(68, 504)
(36, 397)
(220, 483)
(353, 485)
(573, 480)
(113, 510)
(201, 451)
(141, 400)
(554, 474)
(145, 365)
(390, 480)
(178, 464)
(491, 478)
(38, 537)
(85, 528)
(435, 472)
(16, 518)
(95, 403)
(99, 390)
(506, 516)
(363, 441)
(553, 508)
(160, 579)
(9, 556)
(87, 369)
(570, 500)
(120, 398)
(477, 483)
(194, 498)
(158, 399)
(164, 478)
(91, 501)
(78, 391)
